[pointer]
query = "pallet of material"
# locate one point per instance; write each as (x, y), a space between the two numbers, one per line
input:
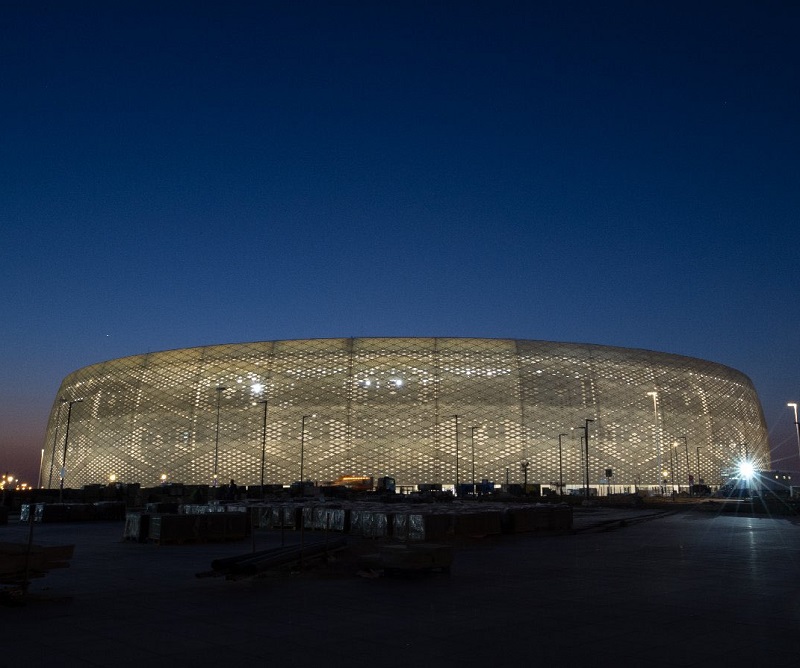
(412, 526)
(326, 519)
(137, 527)
(369, 523)
(109, 510)
(256, 563)
(166, 529)
(477, 524)
(43, 512)
(227, 526)
(537, 518)
(176, 529)
(526, 518)
(287, 517)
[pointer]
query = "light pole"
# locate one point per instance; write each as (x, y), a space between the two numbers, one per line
(64, 458)
(699, 476)
(472, 438)
(796, 424)
(586, 458)
(220, 390)
(658, 436)
(263, 445)
(560, 467)
(524, 465)
(303, 442)
(688, 473)
(456, 417)
(580, 453)
(672, 470)
(61, 403)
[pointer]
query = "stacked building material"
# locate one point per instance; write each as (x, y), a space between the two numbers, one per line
(137, 527)
(255, 563)
(226, 526)
(175, 529)
(402, 522)
(477, 524)
(326, 519)
(416, 526)
(109, 510)
(370, 523)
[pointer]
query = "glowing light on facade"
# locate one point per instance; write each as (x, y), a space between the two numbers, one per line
(384, 407)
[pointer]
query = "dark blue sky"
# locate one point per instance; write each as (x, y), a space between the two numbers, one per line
(188, 173)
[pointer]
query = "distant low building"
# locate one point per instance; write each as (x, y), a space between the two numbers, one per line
(758, 483)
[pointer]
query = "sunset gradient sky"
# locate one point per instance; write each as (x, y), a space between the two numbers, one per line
(187, 173)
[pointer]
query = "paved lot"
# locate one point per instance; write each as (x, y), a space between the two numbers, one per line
(687, 589)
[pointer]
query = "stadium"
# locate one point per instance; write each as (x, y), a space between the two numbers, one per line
(441, 411)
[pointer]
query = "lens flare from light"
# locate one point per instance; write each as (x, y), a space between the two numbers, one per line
(746, 470)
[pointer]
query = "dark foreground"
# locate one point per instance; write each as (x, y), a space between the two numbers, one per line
(687, 589)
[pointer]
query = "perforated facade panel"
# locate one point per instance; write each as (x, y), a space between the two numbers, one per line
(423, 410)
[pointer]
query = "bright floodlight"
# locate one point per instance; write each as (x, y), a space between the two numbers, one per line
(257, 388)
(746, 470)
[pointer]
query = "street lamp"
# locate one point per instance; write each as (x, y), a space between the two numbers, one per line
(64, 458)
(688, 474)
(472, 438)
(303, 442)
(61, 403)
(699, 475)
(658, 437)
(796, 424)
(672, 469)
(560, 467)
(220, 390)
(580, 452)
(263, 445)
(456, 417)
(586, 443)
(524, 466)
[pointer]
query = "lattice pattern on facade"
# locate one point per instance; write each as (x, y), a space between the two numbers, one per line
(420, 409)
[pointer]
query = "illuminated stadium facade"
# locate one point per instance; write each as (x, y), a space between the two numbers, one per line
(422, 410)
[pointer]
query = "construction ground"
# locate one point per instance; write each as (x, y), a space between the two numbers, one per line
(645, 586)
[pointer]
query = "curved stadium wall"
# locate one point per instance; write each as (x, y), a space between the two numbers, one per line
(422, 410)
